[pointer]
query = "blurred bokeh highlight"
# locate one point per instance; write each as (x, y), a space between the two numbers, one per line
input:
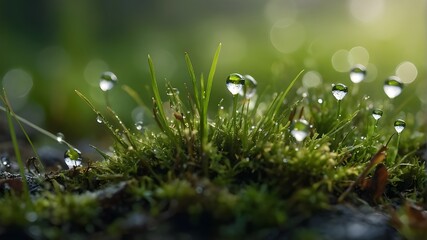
(50, 48)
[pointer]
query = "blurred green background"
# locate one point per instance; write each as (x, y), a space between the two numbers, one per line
(51, 47)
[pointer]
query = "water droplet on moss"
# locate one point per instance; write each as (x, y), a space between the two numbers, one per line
(73, 157)
(377, 113)
(249, 89)
(358, 73)
(300, 129)
(107, 81)
(339, 91)
(235, 83)
(399, 125)
(139, 125)
(393, 87)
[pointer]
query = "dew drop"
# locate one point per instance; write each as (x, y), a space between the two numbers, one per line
(377, 114)
(399, 125)
(249, 89)
(339, 91)
(393, 87)
(300, 129)
(172, 92)
(99, 119)
(139, 125)
(73, 157)
(107, 81)
(235, 83)
(199, 189)
(60, 137)
(4, 159)
(358, 73)
(320, 101)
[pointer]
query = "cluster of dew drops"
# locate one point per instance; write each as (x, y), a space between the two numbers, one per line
(392, 87)
(245, 85)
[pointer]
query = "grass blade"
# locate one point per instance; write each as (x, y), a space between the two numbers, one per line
(158, 101)
(9, 114)
(193, 81)
(133, 94)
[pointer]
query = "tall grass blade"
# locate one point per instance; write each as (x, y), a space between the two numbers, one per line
(193, 81)
(157, 98)
(21, 165)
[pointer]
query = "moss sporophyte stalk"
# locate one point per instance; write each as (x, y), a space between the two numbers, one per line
(260, 165)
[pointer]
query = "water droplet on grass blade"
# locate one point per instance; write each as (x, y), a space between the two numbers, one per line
(107, 81)
(393, 87)
(249, 89)
(358, 73)
(99, 119)
(399, 125)
(377, 113)
(300, 129)
(60, 137)
(235, 83)
(339, 91)
(73, 158)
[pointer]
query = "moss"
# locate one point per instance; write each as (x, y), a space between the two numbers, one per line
(230, 174)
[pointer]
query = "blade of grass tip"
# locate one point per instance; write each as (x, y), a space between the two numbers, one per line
(104, 121)
(25, 188)
(285, 93)
(86, 100)
(128, 134)
(104, 155)
(210, 77)
(277, 102)
(193, 81)
(157, 97)
(134, 95)
(208, 94)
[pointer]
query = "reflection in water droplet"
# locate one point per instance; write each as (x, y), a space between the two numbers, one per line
(60, 137)
(300, 129)
(377, 114)
(73, 158)
(339, 91)
(393, 87)
(107, 81)
(358, 73)
(249, 89)
(399, 125)
(235, 83)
